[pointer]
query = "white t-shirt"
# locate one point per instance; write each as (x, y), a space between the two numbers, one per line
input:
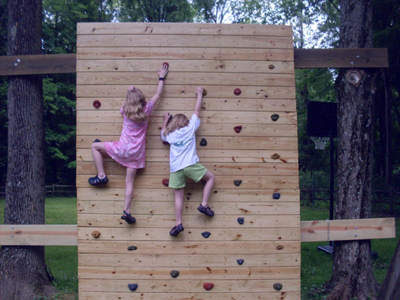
(183, 145)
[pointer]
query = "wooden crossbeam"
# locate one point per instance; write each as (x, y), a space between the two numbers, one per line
(303, 59)
(311, 231)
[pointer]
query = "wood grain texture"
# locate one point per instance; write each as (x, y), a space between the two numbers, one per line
(199, 261)
(187, 104)
(184, 91)
(188, 53)
(183, 41)
(182, 28)
(213, 143)
(219, 66)
(248, 182)
(159, 195)
(182, 286)
(211, 156)
(189, 296)
(183, 78)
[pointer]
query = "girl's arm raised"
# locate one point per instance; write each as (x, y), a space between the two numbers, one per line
(160, 89)
(199, 92)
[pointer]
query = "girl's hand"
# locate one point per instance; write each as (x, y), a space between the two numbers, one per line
(164, 71)
(199, 91)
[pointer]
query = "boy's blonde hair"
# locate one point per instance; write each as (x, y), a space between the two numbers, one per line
(134, 105)
(178, 121)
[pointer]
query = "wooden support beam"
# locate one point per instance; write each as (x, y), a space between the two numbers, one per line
(303, 59)
(37, 64)
(38, 235)
(341, 58)
(311, 231)
(348, 230)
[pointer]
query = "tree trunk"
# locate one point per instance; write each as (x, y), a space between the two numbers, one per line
(22, 269)
(352, 274)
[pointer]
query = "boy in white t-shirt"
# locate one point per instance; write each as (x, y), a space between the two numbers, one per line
(180, 133)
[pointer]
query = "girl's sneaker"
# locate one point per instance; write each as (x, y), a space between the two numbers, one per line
(176, 230)
(128, 218)
(97, 181)
(205, 210)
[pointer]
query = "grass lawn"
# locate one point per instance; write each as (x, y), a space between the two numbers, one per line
(315, 270)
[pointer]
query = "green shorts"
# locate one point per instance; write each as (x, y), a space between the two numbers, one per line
(177, 180)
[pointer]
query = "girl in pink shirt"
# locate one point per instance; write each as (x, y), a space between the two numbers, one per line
(130, 150)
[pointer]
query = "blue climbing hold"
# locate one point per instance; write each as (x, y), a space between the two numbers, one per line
(240, 221)
(206, 234)
(276, 196)
(240, 261)
(132, 286)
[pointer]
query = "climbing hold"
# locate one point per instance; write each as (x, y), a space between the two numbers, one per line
(208, 286)
(165, 63)
(275, 156)
(132, 286)
(204, 92)
(96, 141)
(237, 182)
(240, 261)
(277, 286)
(174, 273)
(165, 181)
(240, 220)
(96, 103)
(275, 117)
(96, 234)
(206, 234)
(238, 129)
(237, 91)
(271, 67)
(203, 142)
(165, 143)
(279, 247)
(131, 248)
(276, 196)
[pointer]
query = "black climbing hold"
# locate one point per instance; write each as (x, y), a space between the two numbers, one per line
(131, 248)
(203, 142)
(240, 261)
(275, 117)
(132, 286)
(240, 221)
(276, 196)
(174, 273)
(206, 234)
(96, 141)
(237, 182)
(277, 286)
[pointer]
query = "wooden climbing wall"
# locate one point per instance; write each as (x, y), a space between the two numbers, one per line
(258, 60)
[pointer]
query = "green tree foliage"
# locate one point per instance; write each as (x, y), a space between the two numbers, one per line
(155, 11)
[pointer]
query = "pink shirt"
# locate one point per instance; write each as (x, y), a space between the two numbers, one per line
(130, 150)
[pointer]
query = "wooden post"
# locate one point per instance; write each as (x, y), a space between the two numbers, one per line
(390, 289)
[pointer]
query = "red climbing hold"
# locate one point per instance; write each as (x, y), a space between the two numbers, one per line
(238, 129)
(165, 181)
(237, 91)
(208, 286)
(165, 143)
(96, 103)
(167, 64)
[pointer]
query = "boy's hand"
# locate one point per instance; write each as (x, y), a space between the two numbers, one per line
(164, 70)
(166, 116)
(199, 91)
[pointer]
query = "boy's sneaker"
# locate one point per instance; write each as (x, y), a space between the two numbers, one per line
(176, 230)
(205, 210)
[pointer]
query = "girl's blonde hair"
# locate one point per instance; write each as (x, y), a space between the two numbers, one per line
(134, 105)
(178, 121)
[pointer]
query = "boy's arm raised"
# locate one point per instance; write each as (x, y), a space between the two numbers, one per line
(199, 92)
